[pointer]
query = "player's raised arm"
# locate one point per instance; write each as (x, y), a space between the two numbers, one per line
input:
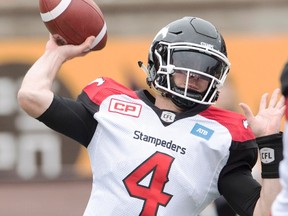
(265, 125)
(35, 93)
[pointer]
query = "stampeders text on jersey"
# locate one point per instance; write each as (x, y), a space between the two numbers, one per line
(138, 135)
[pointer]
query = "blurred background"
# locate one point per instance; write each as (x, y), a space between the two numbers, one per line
(44, 173)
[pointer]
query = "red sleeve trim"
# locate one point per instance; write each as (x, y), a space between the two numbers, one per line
(236, 123)
(101, 88)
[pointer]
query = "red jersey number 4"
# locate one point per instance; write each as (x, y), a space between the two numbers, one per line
(158, 165)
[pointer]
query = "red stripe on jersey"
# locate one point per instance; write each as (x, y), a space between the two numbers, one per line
(102, 88)
(234, 122)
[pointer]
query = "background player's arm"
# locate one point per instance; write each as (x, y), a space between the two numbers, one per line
(266, 122)
(35, 94)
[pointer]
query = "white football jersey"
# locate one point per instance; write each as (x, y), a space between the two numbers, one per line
(280, 205)
(147, 161)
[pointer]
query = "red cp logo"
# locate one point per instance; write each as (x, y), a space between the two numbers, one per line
(125, 108)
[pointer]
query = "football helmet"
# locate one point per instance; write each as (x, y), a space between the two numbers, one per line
(192, 46)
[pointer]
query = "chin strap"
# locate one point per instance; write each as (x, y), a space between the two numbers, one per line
(183, 103)
(144, 68)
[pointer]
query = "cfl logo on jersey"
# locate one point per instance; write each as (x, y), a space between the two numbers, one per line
(267, 155)
(125, 108)
(202, 131)
(168, 116)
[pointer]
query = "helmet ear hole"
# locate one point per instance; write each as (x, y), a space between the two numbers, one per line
(161, 49)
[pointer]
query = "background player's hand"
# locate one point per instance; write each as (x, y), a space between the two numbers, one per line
(66, 52)
(268, 119)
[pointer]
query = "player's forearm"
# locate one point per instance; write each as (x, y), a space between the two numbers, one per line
(270, 149)
(35, 94)
(269, 191)
(279, 207)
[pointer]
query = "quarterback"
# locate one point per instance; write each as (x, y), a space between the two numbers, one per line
(164, 150)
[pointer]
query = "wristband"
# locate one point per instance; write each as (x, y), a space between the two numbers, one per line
(271, 153)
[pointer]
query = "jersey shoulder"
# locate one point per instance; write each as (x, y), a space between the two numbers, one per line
(103, 87)
(236, 123)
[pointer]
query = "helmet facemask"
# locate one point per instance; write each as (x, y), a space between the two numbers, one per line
(193, 60)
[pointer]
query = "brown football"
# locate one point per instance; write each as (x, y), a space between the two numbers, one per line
(72, 21)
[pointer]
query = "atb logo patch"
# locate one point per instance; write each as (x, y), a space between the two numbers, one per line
(202, 131)
(267, 155)
(168, 116)
(125, 108)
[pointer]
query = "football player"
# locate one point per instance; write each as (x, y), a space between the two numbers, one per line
(280, 205)
(165, 150)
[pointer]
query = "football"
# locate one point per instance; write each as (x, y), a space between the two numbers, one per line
(72, 21)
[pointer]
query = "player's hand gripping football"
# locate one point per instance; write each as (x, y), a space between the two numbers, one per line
(268, 119)
(66, 52)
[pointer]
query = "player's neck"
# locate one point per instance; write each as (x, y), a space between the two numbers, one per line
(165, 103)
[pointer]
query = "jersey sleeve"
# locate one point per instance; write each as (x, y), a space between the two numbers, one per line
(236, 182)
(71, 119)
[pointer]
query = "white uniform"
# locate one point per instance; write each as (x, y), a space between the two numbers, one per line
(147, 161)
(280, 205)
